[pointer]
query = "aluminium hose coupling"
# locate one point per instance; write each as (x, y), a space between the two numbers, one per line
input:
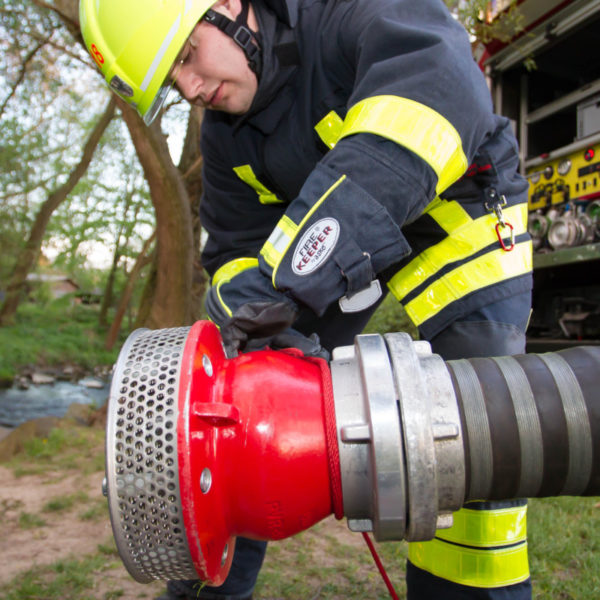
(400, 437)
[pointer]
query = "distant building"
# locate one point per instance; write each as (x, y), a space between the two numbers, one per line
(58, 285)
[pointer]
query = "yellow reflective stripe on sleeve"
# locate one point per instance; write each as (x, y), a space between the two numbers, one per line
(265, 196)
(487, 527)
(329, 129)
(229, 270)
(280, 238)
(415, 126)
(221, 301)
(466, 237)
(480, 272)
(306, 217)
(469, 566)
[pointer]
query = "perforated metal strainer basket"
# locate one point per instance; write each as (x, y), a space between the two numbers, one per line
(142, 482)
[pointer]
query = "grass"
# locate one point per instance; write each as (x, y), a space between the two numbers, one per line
(78, 449)
(66, 502)
(71, 579)
(391, 317)
(95, 511)
(30, 521)
(54, 333)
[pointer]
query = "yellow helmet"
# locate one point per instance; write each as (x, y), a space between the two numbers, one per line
(135, 42)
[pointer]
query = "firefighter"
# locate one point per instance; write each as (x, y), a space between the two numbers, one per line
(350, 149)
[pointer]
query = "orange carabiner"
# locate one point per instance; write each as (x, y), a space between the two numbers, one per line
(505, 247)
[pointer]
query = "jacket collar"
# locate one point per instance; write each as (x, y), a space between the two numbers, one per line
(279, 65)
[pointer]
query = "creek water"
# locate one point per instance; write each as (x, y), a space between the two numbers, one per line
(47, 400)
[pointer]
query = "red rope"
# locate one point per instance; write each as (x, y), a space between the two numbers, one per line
(333, 451)
(380, 566)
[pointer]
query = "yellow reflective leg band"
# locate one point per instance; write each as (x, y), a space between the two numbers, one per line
(415, 126)
(467, 237)
(470, 566)
(480, 272)
(265, 196)
(487, 528)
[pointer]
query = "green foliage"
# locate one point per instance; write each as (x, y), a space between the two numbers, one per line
(52, 334)
(474, 15)
(49, 102)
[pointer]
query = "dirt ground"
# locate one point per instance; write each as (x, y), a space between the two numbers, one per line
(64, 534)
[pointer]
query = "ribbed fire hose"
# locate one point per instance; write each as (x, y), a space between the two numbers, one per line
(201, 449)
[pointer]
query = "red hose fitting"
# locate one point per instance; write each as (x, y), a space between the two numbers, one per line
(262, 409)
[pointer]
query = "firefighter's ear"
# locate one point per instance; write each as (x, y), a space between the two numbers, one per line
(230, 8)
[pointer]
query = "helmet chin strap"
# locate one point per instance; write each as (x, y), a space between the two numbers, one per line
(241, 34)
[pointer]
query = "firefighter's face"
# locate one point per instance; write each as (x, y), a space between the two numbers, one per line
(212, 70)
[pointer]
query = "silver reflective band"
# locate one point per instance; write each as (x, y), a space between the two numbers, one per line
(160, 54)
(279, 239)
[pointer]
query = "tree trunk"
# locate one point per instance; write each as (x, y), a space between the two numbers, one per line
(171, 306)
(172, 297)
(141, 261)
(28, 256)
(191, 167)
(107, 297)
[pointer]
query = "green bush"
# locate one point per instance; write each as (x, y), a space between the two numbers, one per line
(55, 333)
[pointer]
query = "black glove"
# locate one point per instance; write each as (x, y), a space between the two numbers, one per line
(258, 324)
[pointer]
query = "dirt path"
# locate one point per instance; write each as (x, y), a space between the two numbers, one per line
(34, 535)
(64, 534)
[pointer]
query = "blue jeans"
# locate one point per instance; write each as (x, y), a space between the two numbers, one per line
(247, 561)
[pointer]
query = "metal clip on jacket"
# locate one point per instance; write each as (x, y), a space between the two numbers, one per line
(201, 448)
(495, 205)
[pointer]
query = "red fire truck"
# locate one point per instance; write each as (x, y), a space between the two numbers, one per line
(555, 111)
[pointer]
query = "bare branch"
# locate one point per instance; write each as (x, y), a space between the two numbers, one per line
(63, 49)
(22, 71)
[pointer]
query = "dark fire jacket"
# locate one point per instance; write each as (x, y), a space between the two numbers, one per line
(370, 154)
